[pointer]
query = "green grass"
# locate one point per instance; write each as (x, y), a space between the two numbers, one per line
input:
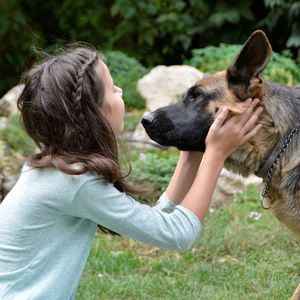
(236, 258)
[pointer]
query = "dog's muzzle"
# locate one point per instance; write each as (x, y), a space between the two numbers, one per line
(157, 125)
(147, 120)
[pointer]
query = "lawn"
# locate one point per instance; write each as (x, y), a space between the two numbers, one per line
(239, 255)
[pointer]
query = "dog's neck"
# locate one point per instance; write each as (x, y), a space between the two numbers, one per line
(271, 160)
(281, 114)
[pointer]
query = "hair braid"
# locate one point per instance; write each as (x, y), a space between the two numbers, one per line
(78, 85)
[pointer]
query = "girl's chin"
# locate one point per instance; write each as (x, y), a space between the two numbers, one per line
(119, 130)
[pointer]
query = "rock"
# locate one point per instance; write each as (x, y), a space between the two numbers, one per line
(165, 85)
(3, 122)
(230, 185)
(8, 103)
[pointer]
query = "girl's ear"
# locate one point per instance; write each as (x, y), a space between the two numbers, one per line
(244, 75)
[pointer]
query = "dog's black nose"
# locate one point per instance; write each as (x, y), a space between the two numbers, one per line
(148, 119)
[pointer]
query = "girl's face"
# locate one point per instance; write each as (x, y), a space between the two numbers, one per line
(113, 107)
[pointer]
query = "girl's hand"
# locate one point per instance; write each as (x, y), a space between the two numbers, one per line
(224, 137)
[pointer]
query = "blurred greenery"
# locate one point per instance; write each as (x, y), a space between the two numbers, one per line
(132, 119)
(281, 68)
(155, 168)
(15, 137)
(154, 32)
(126, 71)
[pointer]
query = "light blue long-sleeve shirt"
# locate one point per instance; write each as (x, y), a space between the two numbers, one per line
(48, 222)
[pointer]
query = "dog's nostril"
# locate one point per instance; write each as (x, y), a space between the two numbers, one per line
(148, 119)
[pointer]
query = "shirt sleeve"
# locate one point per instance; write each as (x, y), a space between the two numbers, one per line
(165, 225)
(165, 204)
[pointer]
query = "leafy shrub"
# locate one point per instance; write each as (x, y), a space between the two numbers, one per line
(16, 37)
(15, 136)
(132, 119)
(211, 59)
(126, 71)
(155, 169)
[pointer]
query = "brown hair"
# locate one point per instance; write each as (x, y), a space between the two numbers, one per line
(61, 111)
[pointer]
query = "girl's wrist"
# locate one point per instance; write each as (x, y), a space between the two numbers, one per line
(191, 156)
(217, 155)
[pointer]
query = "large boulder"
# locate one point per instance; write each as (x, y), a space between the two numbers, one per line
(8, 103)
(166, 84)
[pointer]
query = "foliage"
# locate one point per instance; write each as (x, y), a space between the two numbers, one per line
(155, 169)
(126, 71)
(284, 15)
(155, 32)
(211, 59)
(237, 257)
(16, 39)
(183, 24)
(15, 136)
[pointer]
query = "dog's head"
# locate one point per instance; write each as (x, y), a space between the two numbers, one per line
(185, 124)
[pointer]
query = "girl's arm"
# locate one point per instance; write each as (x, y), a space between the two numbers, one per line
(184, 175)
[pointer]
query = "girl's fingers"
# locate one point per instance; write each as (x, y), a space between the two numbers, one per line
(251, 133)
(249, 111)
(219, 121)
(250, 123)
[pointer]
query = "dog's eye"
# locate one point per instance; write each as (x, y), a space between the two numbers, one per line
(197, 94)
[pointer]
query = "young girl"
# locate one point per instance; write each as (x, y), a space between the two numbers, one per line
(73, 111)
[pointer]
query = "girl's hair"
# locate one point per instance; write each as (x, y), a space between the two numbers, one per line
(61, 111)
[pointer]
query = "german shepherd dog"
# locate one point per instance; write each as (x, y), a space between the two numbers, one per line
(272, 154)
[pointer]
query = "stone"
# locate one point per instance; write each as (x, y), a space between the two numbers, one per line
(230, 185)
(165, 85)
(8, 103)
(3, 122)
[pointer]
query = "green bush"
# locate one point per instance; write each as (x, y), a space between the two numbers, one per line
(281, 68)
(126, 71)
(17, 37)
(15, 136)
(155, 169)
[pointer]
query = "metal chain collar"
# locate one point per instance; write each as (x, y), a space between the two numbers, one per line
(267, 180)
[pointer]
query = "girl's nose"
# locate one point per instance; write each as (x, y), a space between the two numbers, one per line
(119, 91)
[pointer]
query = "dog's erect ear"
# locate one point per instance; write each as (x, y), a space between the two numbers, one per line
(244, 75)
